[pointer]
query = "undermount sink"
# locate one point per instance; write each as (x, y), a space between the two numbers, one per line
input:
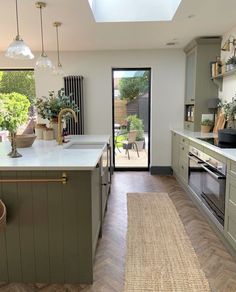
(79, 145)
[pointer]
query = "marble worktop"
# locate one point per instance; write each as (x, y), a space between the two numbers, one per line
(226, 152)
(48, 155)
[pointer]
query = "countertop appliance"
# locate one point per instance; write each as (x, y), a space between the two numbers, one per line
(207, 178)
(216, 142)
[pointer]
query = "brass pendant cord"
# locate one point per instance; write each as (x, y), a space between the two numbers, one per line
(41, 25)
(58, 49)
(17, 23)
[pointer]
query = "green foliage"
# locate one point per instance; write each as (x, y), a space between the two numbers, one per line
(49, 107)
(136, 124)
(229, 109)
(18, 81)
(13, 110)
(231, 60)
(207, 122)
(132, 87)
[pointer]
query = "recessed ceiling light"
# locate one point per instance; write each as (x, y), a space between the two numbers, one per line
(191, 16)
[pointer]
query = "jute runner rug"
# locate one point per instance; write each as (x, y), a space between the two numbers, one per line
(160, 256)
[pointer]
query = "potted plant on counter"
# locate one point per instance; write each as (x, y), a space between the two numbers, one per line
(14, 109)
(49, 107)
(136, 123)
(206, 126)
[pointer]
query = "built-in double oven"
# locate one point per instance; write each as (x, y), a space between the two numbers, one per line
(207, 178)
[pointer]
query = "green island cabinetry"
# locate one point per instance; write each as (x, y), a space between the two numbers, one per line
(52, 228)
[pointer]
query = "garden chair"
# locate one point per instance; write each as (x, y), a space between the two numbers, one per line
(130, 142)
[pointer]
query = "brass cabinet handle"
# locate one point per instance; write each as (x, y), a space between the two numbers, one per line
(62, 180)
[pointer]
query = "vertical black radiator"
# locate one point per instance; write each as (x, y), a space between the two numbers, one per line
(74, 87)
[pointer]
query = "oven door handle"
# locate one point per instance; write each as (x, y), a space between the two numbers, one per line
(198, 161)
(214, 175)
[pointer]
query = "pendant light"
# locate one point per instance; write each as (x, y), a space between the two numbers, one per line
(43, 61)
(18, 49)
(58, 70)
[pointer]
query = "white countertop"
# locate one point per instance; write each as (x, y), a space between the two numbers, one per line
(48, 155)
(226, 152)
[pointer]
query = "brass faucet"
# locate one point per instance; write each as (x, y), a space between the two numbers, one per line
(61, 113)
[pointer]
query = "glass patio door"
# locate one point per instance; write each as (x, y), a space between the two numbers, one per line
(131, 117)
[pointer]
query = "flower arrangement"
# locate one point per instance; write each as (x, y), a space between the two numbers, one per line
(49, 107)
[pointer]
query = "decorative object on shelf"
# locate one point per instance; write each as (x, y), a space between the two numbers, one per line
(43, 61)
(18, 48)
(14, 109)
(206, 126)
(227, 45)
(231, 63)
(58, 70)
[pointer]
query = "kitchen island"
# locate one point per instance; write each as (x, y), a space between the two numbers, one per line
(55, 198)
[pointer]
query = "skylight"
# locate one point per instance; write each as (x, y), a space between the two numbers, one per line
(133, 10)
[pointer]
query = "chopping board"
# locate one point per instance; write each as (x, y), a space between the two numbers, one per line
(220, 122)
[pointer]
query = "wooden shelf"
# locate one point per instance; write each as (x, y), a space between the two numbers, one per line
(227, 73)
(218, 80)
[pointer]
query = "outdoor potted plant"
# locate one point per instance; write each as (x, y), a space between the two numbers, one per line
(49, 107)
(206, 126)
(14, 109)
(136, 123)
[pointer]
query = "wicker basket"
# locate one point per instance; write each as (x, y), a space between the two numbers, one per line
(3, 214)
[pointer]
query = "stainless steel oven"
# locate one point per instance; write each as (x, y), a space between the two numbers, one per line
(207, 178)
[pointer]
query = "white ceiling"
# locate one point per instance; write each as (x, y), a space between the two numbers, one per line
(79, 30)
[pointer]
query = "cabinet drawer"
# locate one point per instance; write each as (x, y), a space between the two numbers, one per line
(232, 168)
(215, 155)
(184, 140)
(231, 231)
(183, 151)
(183, 170)
(231, 183)
(196, 145)
(189, 126)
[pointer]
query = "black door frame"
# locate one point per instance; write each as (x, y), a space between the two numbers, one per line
(149, 118)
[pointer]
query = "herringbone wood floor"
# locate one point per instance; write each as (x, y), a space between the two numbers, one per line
(216, 262)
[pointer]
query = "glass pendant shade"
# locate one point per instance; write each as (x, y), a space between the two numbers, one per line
(58, 70)
(43, 63)
(18, 49)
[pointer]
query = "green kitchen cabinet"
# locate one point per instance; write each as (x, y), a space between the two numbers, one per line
(198, 84)
(52, 228)
(230, 204)
(175, 152)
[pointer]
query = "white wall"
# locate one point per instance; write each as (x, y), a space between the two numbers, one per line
(167, 103)
(229, 82)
